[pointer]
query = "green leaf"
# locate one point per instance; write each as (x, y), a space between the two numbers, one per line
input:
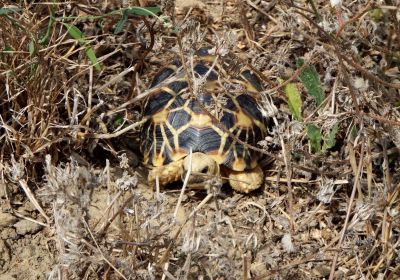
(118, 120)
(144, 11)
(140, 11)
(294, 100)
(49, 29)
(75, 33)
(310, 78)
(376, 14)
(121, 22)
(354, 132)
(176, 30)
(396, 58)
(8, 50)
(79, 36)
(314, 134)
(330, 140)
(31, 48)
(6, 11)
(92, 56)
(314, 8)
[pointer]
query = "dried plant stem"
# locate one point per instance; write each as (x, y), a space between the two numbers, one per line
(294, 76)
(289, 172)
(30, 195)
(101, 252)
(106, 211)
(245, 266)
(263, 10)
(166, 273)
(248, 29)
(105, 227)
(118, 133)
(185, 182)
(30, 219)
(186, 265)
(349, 208)
(200, 205)
(90, 94)
(369, 6)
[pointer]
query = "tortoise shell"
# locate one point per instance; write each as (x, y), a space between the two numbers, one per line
(221, 119)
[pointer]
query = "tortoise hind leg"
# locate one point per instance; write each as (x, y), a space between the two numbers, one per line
(166, 174)
(247, 180)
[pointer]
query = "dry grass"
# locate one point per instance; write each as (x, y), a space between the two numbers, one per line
(69, 148)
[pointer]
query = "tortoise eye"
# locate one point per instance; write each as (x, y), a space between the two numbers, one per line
(204, 170)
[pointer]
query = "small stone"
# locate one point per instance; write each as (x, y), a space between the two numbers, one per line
(258, 268)
(27, 227)
(8, 276)
(27, 208)
(8, 233)
(287, 243)
(6, 219)
(5, 256)
(321, 271)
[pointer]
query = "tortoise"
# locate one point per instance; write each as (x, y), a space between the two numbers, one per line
(212, 129)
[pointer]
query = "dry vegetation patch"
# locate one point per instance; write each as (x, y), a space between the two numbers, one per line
(74, 201)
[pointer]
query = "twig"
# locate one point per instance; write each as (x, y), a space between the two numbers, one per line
(118, 133)
(265, 10)
(185, 182)
(294, 76)
(101, 252)
(104, 229)
(245, 266)
(356, 17)
(367, 73)
(350, 206)
(186, 265)
(248, 30)
(380, 119)
(105, 212)
(29, 219)
(200, 205)
(32, 198)
(289, 172)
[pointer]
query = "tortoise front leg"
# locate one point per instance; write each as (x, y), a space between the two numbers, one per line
(166, 174)
(246, 181)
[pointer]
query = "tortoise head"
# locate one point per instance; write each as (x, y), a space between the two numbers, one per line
(203, 168)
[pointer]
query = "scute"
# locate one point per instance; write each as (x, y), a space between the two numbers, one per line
(156, 103)
(252, 79)
(230, 105)
(202, 70)
(196, 106)
(249, 105)
(177, 86)
(161, 76)
(204, 51)
(228, 120)
(205, 99)
(178, 118)
(170, 137)
(205, 140)
(177, 103)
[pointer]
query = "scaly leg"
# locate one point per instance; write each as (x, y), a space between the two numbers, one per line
(166, 174)
(246, 181)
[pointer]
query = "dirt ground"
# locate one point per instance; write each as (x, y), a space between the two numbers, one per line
(74, 198)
